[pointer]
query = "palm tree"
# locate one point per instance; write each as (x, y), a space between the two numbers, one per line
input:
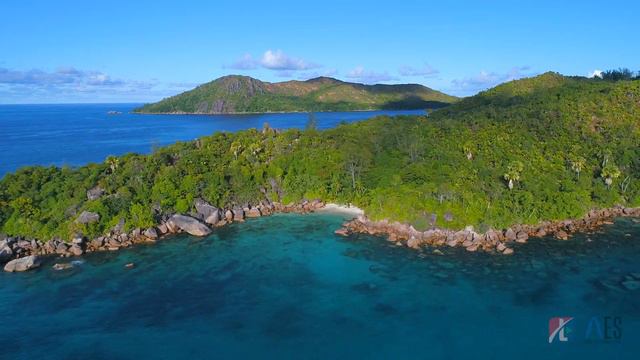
(577, 164)
(236, 148)
(112, 161)
(605, 154)
(609, 173)
(467, 149)
(514, 170)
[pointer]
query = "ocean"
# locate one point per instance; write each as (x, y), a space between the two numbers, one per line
(286, 287)
(76, 134)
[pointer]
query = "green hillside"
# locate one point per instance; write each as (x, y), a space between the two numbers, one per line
(240, 94)
(544, 148)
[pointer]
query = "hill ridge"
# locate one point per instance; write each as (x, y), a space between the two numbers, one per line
(245, 94)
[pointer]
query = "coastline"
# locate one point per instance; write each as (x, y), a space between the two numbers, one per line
(21, 254)
(492, 241)
(268, 112)
(340, 208)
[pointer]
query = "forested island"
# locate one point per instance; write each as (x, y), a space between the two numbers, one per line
(546, 148)
(234, 94)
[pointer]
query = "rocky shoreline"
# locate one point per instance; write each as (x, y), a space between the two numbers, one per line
(21, 254)
(494, 241)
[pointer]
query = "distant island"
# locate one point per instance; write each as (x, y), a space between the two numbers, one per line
(243, 94)
(547, 155)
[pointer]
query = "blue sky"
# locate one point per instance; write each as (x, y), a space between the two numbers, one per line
(140, 51)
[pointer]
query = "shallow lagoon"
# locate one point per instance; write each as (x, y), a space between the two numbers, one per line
(285, 287)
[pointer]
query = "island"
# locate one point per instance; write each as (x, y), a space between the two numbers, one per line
(546, 155)
(242, 94)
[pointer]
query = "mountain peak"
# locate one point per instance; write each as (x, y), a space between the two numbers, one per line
(242, 94)
(324, 80)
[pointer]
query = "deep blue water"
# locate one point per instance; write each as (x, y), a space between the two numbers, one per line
(78, 134)
(285, 287)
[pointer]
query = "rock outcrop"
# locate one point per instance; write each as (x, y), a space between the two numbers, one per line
(151, 234)
(499, 241)
(207, 212)
(238, 214)
(87, 217)
(95, 193)
(188, 224)
(5, 252)
(491, 240)
(22, 264)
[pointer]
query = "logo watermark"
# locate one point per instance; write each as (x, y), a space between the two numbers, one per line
(557, 326)
(598, 329)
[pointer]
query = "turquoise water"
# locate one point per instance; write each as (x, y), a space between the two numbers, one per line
(286, 287)
(75, 134)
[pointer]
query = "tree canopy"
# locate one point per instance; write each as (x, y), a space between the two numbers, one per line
(449, 169)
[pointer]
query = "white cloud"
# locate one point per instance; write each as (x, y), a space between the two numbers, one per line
(277, 60)
(426, 71)
(314, 74)
(68, 84)
(485, 80)
(360, 74)
(245, 62)
(63, 75)
(595, 73)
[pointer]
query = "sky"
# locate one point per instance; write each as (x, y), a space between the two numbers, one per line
(142, 51)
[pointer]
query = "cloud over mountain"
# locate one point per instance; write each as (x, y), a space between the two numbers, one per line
(360, 74)
(272, 60)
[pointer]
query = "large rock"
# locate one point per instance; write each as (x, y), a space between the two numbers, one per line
(61, 248)
(206, 211)
(238, 214)
(76, 250)
(253, 212)
(509, 235)
(95, 193)
(151, 233)
(114, 243)
(162, 229)
(413, 243)
(61, 266)
(88, 217)
(50, 246)
(97, 243)
(189, 225)
(562, 235)
(22, 264)
(522, 236)
(5, 254)
(214, 218)
(24, 244)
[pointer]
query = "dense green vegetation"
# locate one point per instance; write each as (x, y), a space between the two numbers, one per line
(549, 147)
(237, 94)
(620, 74)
